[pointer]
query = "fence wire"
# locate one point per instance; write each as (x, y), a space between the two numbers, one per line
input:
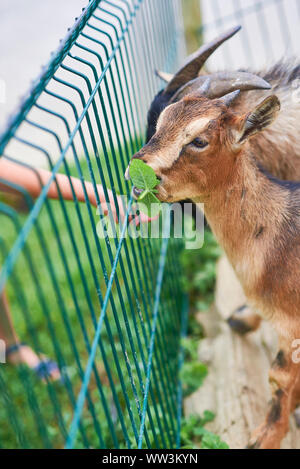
(109, 311)
(270, 32)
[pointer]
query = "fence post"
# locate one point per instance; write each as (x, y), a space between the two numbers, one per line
(192, 22)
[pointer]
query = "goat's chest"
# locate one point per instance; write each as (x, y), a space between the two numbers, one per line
(271, 283)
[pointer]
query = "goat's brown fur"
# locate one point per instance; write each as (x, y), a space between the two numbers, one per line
(278, 148)
(255, 217)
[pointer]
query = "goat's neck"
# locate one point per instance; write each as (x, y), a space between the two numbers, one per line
(245, 215)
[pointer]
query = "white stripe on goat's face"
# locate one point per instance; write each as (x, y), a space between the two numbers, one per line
(173, 137)
(184, 149)
(166, 158)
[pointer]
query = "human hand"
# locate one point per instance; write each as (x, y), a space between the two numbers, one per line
(110, 207)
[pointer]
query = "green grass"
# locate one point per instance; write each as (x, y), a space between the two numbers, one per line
(200, 272)
(199, 280)
(194, 434)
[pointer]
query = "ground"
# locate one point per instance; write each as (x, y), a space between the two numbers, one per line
(236, 388)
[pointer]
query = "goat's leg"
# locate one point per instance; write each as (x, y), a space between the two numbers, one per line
(283, 378)
(244, 320)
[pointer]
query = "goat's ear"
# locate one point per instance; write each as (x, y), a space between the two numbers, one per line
(260, 118)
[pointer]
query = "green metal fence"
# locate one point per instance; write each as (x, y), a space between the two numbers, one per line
(110, 312)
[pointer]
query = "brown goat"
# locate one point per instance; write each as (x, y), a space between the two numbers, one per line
(202, 150)
(277, 149)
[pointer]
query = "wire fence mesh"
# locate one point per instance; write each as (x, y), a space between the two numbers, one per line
(269, 32)
(110, 312)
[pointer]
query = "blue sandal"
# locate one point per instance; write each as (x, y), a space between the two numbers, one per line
(43, 370)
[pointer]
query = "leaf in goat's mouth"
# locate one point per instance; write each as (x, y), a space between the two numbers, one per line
(142, 176)
(145, 181)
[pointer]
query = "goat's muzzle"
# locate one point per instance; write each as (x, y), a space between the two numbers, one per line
(136, 192)
(127, 175)
(138, 155)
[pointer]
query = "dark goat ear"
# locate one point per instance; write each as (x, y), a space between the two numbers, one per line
(192, 68)
(260, 118)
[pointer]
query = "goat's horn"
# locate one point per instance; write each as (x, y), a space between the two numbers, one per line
(230, 81)
(223, 83)
(196, 61)
(167, 77)
(203, 90)
(228, 98)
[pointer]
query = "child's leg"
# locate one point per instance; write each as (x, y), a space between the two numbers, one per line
(23, 354)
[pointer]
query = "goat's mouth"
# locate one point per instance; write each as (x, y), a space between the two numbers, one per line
(137, 192)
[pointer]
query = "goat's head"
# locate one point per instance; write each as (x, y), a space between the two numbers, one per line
(197, 142)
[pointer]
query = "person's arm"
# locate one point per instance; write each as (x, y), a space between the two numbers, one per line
(32, 180)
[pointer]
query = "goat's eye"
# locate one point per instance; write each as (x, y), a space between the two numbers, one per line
(199, 143)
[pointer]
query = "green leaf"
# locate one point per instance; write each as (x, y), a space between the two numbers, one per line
(144, 194)
(149, 204)
(194, 434)
(212, 441)
(208, 416)
(142, 176)
(192, 376)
